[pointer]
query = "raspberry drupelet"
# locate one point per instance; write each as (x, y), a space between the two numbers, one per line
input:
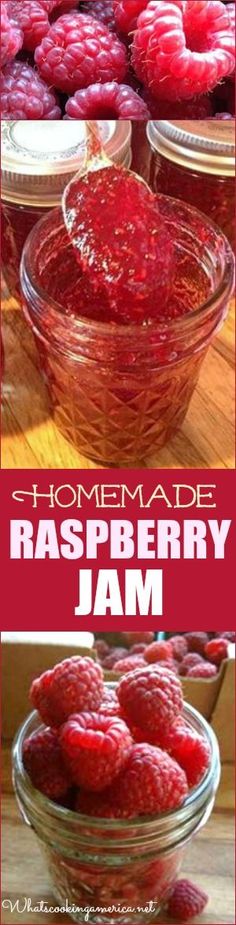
(76, 684)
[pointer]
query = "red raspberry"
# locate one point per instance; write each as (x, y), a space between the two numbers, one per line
(230, 636)
(95, 748)
(129, 664)
(189, 661)
(74, 684)
(150, 697)
(24, 95)
(182, 49)
(138, 648)
(132, 638)
(101, 10)
(126, 14)
(199, 107)
(151, 783)
(114, 656)
(202, 670)
(44, 762)
(11, 36)
(179, 647)
(110, 100)
(110, 704)
(158, 651)
(101, 647)
(196, 642)
(216, 650)
(191, 751)
(187, 901)
(97, 804)
(32, 18)
(79, 51)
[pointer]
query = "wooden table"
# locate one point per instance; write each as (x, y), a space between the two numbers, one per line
(31, 440)
(209, 862)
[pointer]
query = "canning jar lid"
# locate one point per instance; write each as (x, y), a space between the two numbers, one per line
(39, 158)
(207, 146)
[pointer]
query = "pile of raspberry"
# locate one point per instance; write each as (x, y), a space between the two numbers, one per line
(117, 59)
(194, 655)
(117, 754)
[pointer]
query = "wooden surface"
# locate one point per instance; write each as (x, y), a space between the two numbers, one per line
(30, 439)
(209, 862)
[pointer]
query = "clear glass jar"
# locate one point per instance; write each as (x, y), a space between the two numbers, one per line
(195, 161)
(38, 160)
(101, 863)
(118, 392)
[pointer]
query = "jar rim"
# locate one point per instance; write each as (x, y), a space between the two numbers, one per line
(199, 793)
(204, 146)
(101, 328)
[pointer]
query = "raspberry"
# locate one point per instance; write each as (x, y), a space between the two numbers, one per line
(202, 670)
(151, 783)
(126, 14)
(95, 748)
(44, 762)
(179, 647)
(183, 49)
(138, 648)
(132, 638)
(216, 650)
(97, 804)
(110, 704)
(196, 642)
(114, 656)
(32, 18)
(129, 664)
(189, 749)
(150, 697)
(158, 651)
(79, 51)
(189, 661)
(74, 684)
(24, 95)
(186, 901)
(11, 36)
(225, 116)
(101, 647)
(199, 107)
(106, 101)
(230, 636)
(101, 10)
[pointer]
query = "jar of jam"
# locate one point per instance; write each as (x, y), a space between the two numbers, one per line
(38, 160)
(119, 392)
(195, 161)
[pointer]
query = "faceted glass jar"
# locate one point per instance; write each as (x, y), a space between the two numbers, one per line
(119, 392)
(37, 163)
(105, 865)
(195, 162)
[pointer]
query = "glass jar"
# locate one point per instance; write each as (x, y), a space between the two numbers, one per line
(97, 863)
(119, 392)
(38, 160)
(195, 161)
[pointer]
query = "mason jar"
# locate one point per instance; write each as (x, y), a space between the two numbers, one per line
(119, 392)
(195, 161)
(102, 864)
(38, 160)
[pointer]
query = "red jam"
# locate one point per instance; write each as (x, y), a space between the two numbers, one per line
(17, 221)
(121, 243)
(119, 393)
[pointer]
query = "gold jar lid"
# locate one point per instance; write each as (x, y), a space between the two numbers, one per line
(207, 146)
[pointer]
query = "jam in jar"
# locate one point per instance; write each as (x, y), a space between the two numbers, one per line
(37, 163)
(119, 391)
(195, 161)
